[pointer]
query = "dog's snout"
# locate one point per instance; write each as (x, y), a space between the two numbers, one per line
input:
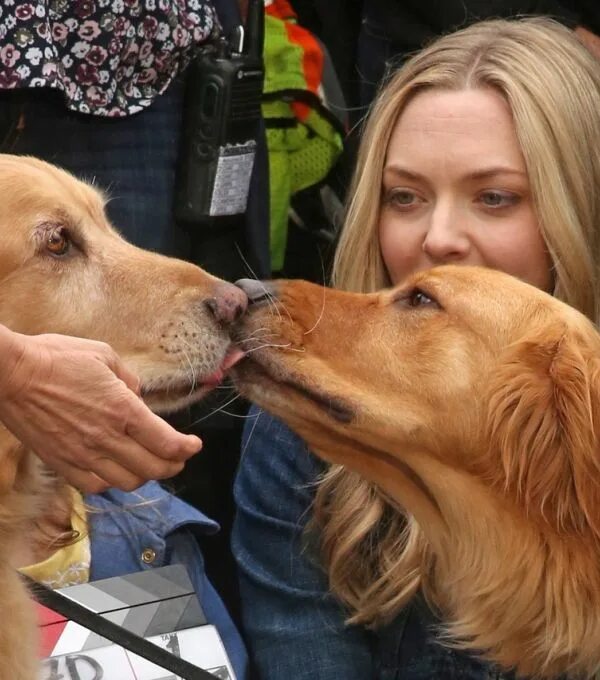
(257, 291)
(228, 303)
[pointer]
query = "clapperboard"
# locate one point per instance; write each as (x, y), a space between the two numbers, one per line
(159, 605)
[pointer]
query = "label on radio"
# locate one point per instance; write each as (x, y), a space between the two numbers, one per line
(232, 179)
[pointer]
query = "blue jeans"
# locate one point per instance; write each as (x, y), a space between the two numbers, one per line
(133, 159)
(294, 627)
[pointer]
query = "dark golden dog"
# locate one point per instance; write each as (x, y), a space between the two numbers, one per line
(473, 401)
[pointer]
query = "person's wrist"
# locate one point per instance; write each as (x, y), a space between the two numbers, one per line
(13, 347)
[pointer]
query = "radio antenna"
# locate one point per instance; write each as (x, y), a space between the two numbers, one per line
(255, 29)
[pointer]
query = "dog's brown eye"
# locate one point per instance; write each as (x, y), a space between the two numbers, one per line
(58, 242)
(417, 298)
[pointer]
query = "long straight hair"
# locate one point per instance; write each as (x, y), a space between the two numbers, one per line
(373, 552)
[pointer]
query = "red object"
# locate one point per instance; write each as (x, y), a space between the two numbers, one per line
(312, 55)
(51, 628)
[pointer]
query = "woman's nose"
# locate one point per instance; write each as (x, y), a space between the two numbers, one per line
(447, 238)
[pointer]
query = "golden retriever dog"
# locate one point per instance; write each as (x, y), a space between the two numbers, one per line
(473, 401)
(64, 269)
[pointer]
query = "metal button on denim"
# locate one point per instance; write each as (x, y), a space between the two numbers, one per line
(148, 555)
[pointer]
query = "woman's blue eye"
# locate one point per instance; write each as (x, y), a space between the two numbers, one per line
(402, 199)
(498, 199)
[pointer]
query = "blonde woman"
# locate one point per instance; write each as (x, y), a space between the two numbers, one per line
(483, 149)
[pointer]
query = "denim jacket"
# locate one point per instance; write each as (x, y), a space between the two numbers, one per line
(294, 627)
(151, 528)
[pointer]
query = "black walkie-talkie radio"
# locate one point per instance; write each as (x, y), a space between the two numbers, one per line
(221, 122)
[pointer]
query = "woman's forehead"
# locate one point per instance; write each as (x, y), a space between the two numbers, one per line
(471, 127)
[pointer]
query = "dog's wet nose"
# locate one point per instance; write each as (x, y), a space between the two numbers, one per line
(257, 291)
(228, 303)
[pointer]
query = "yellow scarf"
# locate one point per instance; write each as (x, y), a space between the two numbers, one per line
(69, 565)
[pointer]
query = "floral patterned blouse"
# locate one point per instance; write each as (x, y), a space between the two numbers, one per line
(108, 57)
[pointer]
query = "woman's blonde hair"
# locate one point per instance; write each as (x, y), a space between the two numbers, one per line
(374, 553)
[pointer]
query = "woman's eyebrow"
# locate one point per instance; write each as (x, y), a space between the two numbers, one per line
(403, 173)
(483, 173)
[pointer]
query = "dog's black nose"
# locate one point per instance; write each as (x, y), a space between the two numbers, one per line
(257, 291)
(228, 303)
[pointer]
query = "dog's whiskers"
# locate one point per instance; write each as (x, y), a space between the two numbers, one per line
(268, 295)
(278, 305)
(256, 417)
(246, 263)
(287, 346)
(241, 416)
(263, 337)
(192, 371)
(310, 330)
(216, 410)
(274, 304)
(258, 330)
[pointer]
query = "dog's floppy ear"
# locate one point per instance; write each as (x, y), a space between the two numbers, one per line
(543, 416)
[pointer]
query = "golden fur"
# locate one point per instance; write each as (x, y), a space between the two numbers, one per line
(155, 311)
(472, 401)
(557, 121)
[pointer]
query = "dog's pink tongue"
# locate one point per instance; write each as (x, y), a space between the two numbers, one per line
(234, 354)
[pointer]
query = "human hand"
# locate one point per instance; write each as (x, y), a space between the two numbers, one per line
(73, 403)
(589, 39)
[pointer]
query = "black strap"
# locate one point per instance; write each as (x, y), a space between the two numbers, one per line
(111, 631)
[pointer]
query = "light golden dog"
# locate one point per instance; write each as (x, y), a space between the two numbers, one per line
(64, 269)
(473, 401)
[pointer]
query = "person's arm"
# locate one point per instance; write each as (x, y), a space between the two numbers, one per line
(74, 404)
(293, 626)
